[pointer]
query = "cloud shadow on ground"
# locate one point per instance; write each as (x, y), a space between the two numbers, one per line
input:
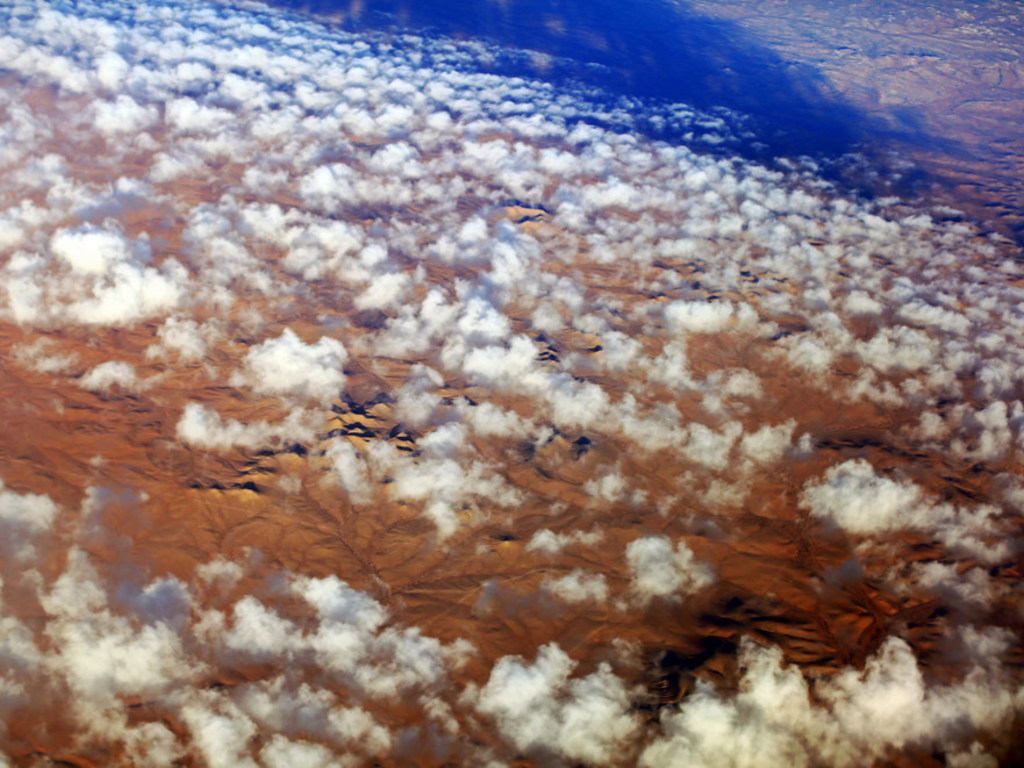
(648, 48)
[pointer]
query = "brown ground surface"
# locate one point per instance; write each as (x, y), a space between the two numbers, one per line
(170, 507)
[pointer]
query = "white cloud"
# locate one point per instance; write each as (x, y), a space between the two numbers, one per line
(221, 738)
(860, 501)
(481, 323)
(43, 355)
(659, 570)
(771, 720)
(188, 339)
(220, 571)
(89, 250)
(152, 744)
(608, 487)
(23, 516)
(112, 375)
(539, 707)
(444, 484)
(103, 655)
(317, 171)
(384, 291)
(898, 348)
(188, 115)
(123, 115)
(91, 275)
(548, 542)
(351, 469)
(132, 293)
(948, 580)
(258, 632)
(578, 586)
(113, 642)
(288, 366)
(203, 427)
(418, 398)
(769, 443)
(698, 316)
(710, 448)
(281, 752)
(489, 420)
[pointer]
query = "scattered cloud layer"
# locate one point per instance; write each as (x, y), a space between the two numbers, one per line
(453, 302)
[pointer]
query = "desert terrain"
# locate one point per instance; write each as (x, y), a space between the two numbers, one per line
(364, 408)
(941, 82)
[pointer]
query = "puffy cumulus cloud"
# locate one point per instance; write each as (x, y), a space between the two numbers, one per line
(281, 752)
(203, 427)
(98, 655)
(102, 644)
(709, 447)
(222, 736)
(281, 145)
(769, 443)
(481, 323)
(578, 586)
(549, 542)
(445, 483)
(569, 401)
(23, 517)
(445, 476)
(351, 469)
(384, 291)
(256, 631)
(698, 316)
(313, 713)
(899, 349)
(859, 500)
(417, 400)
(18, 649)
(22, 659)
(489, 420)
(124, 116)
(350, 640)
(31, 511)
(987, 434)
(220, 571)
(44, 356)
(762, 725)
(861, 303)
(252, 114)
(275, 168)
(854, 497)
(543, 711)
(869, 713)
(92, 275)
(964, 589)
(608, 487)
(723, 387)
(657, 569)
(107, 657)
(982, 532)
(152, 744)
(93, 251)
(188, 339)
(503, 366)
(132, 293)
(112, 375)
(288, 366)
(889, 702)
(314, 248)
